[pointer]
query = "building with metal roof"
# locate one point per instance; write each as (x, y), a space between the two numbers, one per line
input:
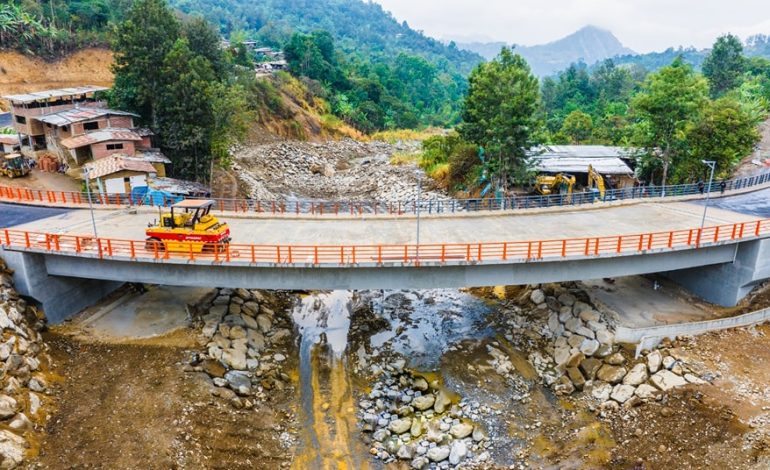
(57, 94)
(75, 115)
(576, 159)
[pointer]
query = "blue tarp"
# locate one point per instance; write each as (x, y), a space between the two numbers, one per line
(153, 197)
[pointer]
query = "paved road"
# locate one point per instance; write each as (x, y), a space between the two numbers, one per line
(621, 220)
(756, 204)
(11, 214)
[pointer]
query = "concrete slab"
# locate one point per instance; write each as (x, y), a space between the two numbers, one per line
(157, 312)
(639, 304)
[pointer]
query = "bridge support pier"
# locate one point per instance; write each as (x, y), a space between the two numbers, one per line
(60, 297)
(727, 284)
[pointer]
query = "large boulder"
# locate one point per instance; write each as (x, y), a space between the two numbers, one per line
(654, 361)
(665, 380)
(461, 430)
(636, 376)
(423, 402)
(438, 454)
(611, 374)
(400, 426)
(622, 393)
(537, 297)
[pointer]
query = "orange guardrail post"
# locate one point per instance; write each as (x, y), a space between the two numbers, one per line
(133, 250)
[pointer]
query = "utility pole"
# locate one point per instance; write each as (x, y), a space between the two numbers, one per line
(87, 173)
(419, 196)
(711, 164)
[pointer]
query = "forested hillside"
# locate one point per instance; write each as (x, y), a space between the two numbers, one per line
(375, 72)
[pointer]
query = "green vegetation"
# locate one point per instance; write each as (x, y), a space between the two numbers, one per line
(725, 65)
(500, 114)
(179, 85)
(51, 28)
(375, 72)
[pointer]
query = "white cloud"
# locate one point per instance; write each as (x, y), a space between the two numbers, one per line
(643, 25)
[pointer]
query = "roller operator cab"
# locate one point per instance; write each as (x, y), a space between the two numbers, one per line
(188, 227)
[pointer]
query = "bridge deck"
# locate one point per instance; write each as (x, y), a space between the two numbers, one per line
(624, 220)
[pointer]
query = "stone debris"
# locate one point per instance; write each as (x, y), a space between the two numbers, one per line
(245, 340)
(335, 170)
(25, 357)
(410, 419)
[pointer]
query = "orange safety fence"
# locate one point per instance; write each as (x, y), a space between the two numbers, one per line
(352, 255)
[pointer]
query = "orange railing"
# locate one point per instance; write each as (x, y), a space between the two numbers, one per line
(352, 255)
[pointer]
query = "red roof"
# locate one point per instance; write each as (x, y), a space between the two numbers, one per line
(104, 135)
(115, 163)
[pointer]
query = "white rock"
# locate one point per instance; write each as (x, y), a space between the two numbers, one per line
(461, 430)
(694, 380)
(12, 448)
(622, 393)
(7, 406)
(573, 324)
(668, 362)
(587, 332)
(438, 454)
(576, 341)
(602, 391)
(400, 426)
(646, 391)
(636, 376)
(665, 380)
(654, 361)
(589, 347)
(458, 452)
(264, 322)
(34, 403)
(605, 337)
(423, 402)
(590, 315)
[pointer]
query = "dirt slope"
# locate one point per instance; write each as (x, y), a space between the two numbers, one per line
(21, 74)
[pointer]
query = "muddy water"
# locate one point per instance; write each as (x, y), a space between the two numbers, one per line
(328, 407)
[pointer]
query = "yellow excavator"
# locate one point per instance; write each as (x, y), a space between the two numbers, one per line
(547, 185)
(596, 180)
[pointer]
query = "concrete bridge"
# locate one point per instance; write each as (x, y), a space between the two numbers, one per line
(60, 263)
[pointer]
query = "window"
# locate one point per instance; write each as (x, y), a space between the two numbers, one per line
(21, 119)
(91, 126)
(114, 146)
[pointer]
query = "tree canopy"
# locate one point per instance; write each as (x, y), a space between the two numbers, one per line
(725, 65)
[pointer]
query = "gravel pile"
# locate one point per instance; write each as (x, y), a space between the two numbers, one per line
(334, 170)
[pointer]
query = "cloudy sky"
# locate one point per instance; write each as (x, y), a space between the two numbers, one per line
(642, 25)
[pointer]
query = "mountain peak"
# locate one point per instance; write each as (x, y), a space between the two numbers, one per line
(589, 44)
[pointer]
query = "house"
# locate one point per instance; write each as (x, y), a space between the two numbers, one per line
(27, 107)
(119, 174)
(616, 164)
(75, 127)
(9, 143)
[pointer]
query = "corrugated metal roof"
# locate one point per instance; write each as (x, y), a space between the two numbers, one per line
(115, 163)
(70, 116)
(152, 156)
(179, 187)
(103, 135)
(51, 94)
(604, 165)
(584, 151)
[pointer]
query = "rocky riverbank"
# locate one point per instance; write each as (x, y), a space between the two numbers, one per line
(24, 381)
(335, 170)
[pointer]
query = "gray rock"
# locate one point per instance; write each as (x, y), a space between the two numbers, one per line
(668, 362)
(605, 337)
(255, 340)
(12, 449)
(442, 402)
(381, 435)
(537, 297)
(590, 315)
(616, 359)
(567, 299)
(576, 341)
(264, 322)
(573, 324)
(601, 391)
(458, 452)
(239, 382)
(419, 463)
(589, 347)
(235, 358)
(20, 423)
(405, 452)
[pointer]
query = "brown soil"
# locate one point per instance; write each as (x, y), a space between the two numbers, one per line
(22, 74)
(746, 166)
(128, 406)
(40, 179)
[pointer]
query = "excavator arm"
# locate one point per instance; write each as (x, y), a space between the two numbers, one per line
(594, 178)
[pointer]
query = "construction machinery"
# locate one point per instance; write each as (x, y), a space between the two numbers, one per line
(596, 181)
(558, 184)
(188, 227)
(14, 165)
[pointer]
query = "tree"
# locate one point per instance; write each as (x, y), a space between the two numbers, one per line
(141, 45)
(499, 111)
(670, 100)
(577, 127)
(205, 42)
(725, 65)
(185, 114)
(724, 133)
